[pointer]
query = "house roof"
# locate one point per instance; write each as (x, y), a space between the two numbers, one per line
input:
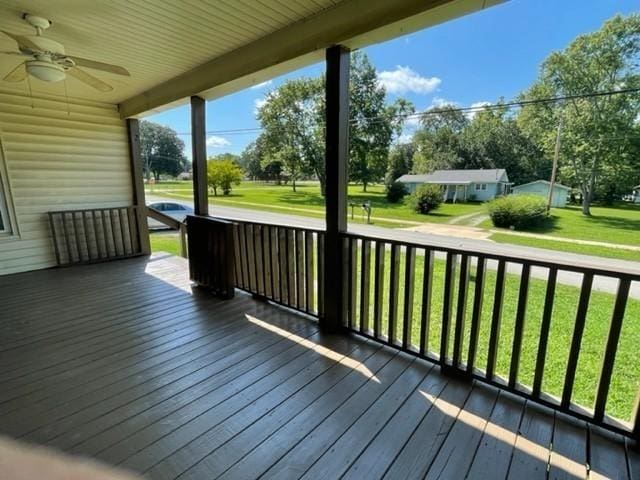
(459, 177)
(556, 185)
(209, 49)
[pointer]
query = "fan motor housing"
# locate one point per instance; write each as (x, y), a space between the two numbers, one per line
(45, 71)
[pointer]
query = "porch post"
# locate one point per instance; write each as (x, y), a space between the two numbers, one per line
(199, 156)
(336, 159)
(133, 130)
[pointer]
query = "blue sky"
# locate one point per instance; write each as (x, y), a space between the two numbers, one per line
(478, 58)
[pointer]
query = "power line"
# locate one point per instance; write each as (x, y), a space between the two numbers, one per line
(438, 111)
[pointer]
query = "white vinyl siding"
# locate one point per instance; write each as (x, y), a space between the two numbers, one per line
(58, 156)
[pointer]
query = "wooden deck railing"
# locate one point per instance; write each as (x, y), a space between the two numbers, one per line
(516, 322)
(94, 235)
(172, 223)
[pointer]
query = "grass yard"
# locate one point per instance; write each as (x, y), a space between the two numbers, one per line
(597, 251)
(616, 224)
(165, 241)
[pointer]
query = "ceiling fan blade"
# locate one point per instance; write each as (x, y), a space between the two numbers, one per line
(22, 41)
(105, 67)
(17, 74)
(19, 54)
(90, 80)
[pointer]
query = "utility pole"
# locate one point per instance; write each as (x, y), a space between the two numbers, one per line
(556, 154)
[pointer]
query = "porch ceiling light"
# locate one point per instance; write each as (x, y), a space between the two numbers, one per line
(45, 71)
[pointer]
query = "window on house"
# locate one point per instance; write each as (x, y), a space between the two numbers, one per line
(484, 186)
(477, 186)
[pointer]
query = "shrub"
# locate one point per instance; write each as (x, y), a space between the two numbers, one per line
(426, 198)
(395, 191)
(222, 174)
(518, 211)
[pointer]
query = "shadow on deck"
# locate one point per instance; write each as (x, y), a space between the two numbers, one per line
(125, 363)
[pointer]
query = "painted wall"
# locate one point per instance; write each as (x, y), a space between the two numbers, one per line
(493, 189)
(558, 200)
(57, 156)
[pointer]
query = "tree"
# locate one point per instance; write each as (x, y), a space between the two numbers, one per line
(223, 172)
(597, 140)
(400, 161)
(161, 150)
(292, 133)
(374, 123)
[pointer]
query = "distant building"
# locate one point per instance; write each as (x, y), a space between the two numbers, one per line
(541, 187)
(635, 195)
(463, 185)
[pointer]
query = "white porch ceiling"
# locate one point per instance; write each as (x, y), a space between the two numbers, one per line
(159, 40)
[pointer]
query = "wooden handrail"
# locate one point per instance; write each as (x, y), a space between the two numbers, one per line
(173, 224)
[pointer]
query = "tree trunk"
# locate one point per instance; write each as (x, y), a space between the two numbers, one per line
(364, 186)
(215, 191)
(293, 183)
(587, 191)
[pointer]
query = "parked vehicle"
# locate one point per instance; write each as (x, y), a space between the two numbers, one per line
(175, 210)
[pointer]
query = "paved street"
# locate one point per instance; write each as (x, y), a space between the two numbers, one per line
(431, 237)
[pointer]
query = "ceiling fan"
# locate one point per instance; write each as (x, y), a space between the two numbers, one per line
(49, 62)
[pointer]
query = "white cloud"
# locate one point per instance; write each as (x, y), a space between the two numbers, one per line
(440, 102)
(258, 86)
(404, 80)
(215, 141)
(477, 107)
(258, 103)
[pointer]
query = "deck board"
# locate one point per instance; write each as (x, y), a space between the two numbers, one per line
(126, 363)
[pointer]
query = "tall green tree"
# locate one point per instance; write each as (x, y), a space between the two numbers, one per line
(162, 151)
(374, 122)
(223, 172)
(597, 139)
(400, 161)
(292, 132)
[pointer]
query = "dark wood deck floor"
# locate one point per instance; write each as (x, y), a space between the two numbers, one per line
(124, 363)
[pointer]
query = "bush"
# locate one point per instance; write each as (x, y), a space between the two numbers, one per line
(426, 198)
(395, 191)
(518, 211)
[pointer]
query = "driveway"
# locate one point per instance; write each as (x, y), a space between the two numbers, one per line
(467, 238)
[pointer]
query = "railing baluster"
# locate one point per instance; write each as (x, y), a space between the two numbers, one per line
(251, 260)
(282, 261)
(54, 236)
(85, 227)
(67, 240)
(266, 265)
(320, 277)
(608, 362)
(275, 263)
(98, 237)
(123, 232)
(425, 312)
(103, 218)
(76, 233)
(516, 348)
(257, 255)
(379, 288)
(365, 274)
(352, 266)
(291, 268)
(461, 310)
(495, 320)
(476, 314)
(409, 273)
(394, 281)
(112, 219)
(578, 330)
(133, 230)
(447, 301)
(300, 273)
(544, 332)
(236, 252)
(309, 271)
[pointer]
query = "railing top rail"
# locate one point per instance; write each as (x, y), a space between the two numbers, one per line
(161, 217)
(99, 209)
(533, 257)
(291, 225)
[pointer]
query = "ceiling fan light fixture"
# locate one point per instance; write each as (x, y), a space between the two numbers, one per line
(45, 71)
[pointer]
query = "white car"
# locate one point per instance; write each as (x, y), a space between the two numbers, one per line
(171, 209)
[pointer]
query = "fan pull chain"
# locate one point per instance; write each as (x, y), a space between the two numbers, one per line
(66, 96)
(30, 91)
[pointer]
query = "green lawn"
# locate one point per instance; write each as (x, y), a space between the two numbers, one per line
(165, 242)
(615, 224)
(597, 251)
